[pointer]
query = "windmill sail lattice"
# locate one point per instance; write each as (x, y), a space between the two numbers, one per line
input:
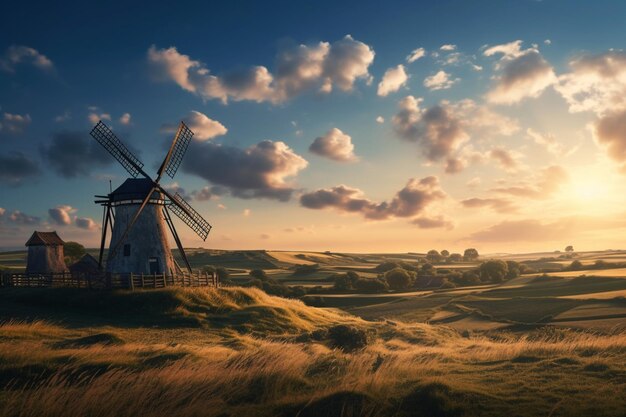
(115, 147)
(192, 218)
(181, 142)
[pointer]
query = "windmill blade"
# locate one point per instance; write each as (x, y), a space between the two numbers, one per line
(188, 215)
(116, 148)
(175, 155)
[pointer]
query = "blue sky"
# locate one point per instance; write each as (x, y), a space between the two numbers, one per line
(530, 154)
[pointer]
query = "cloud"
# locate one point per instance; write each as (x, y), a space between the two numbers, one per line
(86, 223)
(528, 230)
(18, 54)
(95, 117)
(334, 145)
(71, 154)
(442, 131)
(499, 205)
(550, 143)
(596, 83)
(545, 183)
(61, 215)
(437, 222)
(201, 125)
(206, 193)
(610, 133)
(174, 188)
(63, 117)
(259, 171)
(522, 73)
(246, 213)
(448, 47)
(264, 236)
(415, 55)
(299, 69)
(439, 81)
(393, 79)
(380, 119)
(20, 218)
(125, 119)
(410, 201)
(14, 123)
(505, 159)
(16, 167)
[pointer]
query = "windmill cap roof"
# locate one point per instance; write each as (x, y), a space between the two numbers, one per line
(134, 189)
(44, 239)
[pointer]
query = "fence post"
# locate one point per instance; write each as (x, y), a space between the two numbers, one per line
(143, 283)
(131, 282)
(154, 280)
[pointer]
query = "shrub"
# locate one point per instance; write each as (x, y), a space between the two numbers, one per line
(258, 274)
(455, 257)
(575, 265)
(493, 271)
(345, 282)
(513, 269)
(73, 251)
(371, 285)
(305, 269)
(398, 279)
(386, 266)
(470, 278)
(347, 338)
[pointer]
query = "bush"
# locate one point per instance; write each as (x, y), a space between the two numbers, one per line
(73, 251)
(470, 278)
(386, 266)
(305, 269)
(513, 269)
(398, 279)
(371, 285)
(493, 271)
(575, 265)
(347, 338)
(455, 257)
(345, 282)
(258, 274)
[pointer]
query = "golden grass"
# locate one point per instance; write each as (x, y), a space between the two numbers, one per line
(203, 372)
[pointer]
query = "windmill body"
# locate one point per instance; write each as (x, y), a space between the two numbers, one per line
(138, 211)
(145, 248)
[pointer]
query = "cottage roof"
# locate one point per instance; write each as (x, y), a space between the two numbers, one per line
(44, 239)
(85, 264)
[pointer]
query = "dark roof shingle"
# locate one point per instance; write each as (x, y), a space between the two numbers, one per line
(44, 239)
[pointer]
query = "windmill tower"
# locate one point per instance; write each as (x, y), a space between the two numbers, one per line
(138, 211)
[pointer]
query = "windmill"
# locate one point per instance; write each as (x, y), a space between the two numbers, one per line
(138, 210)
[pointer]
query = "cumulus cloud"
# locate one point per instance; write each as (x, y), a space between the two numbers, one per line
(448, 47)
(20, 218)
(71, 154)
(15, 168)
(94, 116)
(320, 67)
(86, 223)
(454, 165)
(410, 201)
(523, 73)
(499, 205)
(504, 158)
(380, 119)
(437, 222)
(259, 171)
(207, 193)
(415, 55)
(125, 119)
(441, 130)
(334, 145)
(545, 183)
(610, 133)
(61, 215)
(439, 81)
(393, 79)
(201, 125)
(19, 54)
(14, 123)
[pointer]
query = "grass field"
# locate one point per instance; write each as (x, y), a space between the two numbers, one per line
(232, 352)
(549, 344)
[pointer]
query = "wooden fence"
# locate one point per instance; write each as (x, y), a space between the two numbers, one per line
(111, 281)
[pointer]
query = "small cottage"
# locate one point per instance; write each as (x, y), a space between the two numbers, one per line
(87, 266)
(45, 254)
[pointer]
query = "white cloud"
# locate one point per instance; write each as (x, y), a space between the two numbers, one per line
(62, 215)
(95, 116)
(201, 125)
(439, 81)
(448, 47)
(16, 55)
(380, 119)
(125, 119)
(320, 67)
(15, 123)
(86, 223)
(63, 117)
(334, 145)
(415, 55)
(393, 79)
(522, 73)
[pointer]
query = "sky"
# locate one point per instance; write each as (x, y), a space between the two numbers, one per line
(356, 127)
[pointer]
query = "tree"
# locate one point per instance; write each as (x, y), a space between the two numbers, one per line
(470, 254)
(455, 257)
(398, 279)
(493, 271)
(433, 256)
(345, 282)
(371, 285)
(513, 269)
(74, 251)
(445, 253)
(569, 248)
